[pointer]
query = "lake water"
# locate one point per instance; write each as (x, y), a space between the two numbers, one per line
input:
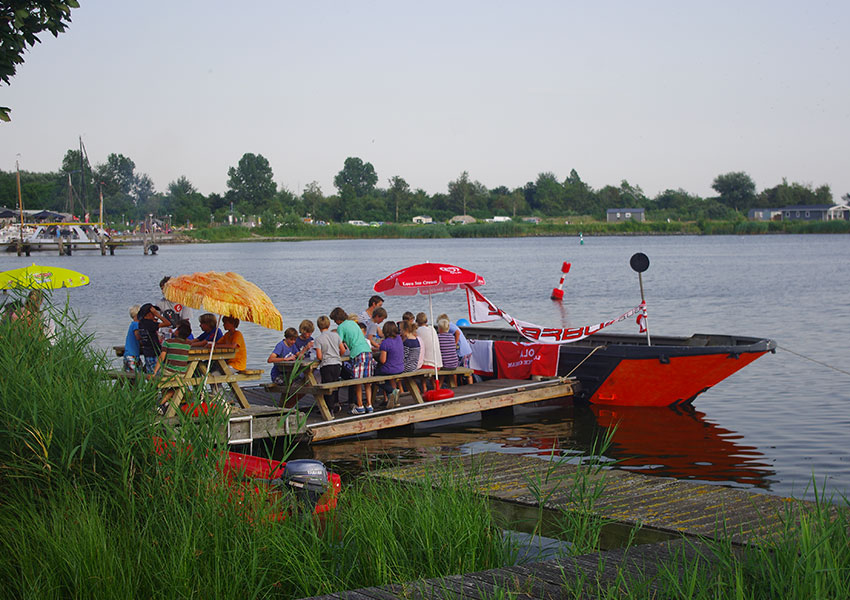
(770, 427)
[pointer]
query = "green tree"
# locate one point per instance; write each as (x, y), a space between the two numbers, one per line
(399, 196)
(252, 182)
(549, 194)
(181, 187)
(578, 197)
(466, 196)
(358, 176)
(20, 23)
(794, 194)
(737, 190)
(124, 191)
(313, 198)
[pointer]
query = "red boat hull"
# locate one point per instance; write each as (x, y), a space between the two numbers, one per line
(650, 382)
(623, 370)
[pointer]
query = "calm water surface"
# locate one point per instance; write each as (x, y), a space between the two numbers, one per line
(771, 427)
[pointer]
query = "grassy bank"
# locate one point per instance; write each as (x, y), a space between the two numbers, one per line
(515, 229)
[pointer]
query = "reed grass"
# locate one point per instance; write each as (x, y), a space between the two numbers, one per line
(89, 509)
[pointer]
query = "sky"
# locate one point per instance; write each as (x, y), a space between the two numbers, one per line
(665, 95)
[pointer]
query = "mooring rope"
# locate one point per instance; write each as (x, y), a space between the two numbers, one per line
(823, 364)
(595, 348)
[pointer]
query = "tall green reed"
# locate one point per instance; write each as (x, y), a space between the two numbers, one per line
(90, 509)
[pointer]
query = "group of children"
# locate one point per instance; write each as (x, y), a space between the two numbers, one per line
(153, 342)
(400, 348)
(160, 340)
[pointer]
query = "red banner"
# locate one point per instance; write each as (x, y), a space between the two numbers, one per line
(521, 360)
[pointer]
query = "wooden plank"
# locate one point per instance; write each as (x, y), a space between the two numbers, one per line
(430, 411)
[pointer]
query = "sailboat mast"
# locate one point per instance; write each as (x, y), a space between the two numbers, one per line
(20, 202)
(70, 196)
(83, 177)
(101, 204)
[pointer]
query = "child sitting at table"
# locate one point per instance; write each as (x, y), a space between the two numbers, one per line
(305, 337)
(412, 354)
(234, 339)
(207, 322)
(285, 351)
(174, 359)
(391, 362)
(448, 347)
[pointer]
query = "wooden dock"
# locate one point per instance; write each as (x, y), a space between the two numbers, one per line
(662, 503)
(570, 577)
(63, 247)
(264, 419)
(689, 511)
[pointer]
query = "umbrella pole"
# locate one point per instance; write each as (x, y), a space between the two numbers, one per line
(212, 349)
(436, 368)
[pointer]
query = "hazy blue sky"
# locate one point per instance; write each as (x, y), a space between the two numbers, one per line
(663, 94)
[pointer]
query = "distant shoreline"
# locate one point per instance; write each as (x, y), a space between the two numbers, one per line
(304, 232)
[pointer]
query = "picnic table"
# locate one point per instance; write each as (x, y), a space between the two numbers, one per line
(195, 371)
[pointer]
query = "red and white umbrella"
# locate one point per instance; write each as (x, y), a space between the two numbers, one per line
(428, 278)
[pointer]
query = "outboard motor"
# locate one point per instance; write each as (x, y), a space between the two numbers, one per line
(308, 479)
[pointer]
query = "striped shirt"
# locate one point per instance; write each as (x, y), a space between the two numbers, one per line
(411, 354)
(176, 355)
(448, 350)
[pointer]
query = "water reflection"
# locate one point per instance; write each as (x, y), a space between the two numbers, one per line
(654, 441)
(676, 443)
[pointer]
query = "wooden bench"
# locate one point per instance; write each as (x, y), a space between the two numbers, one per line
(176, 384)
(322, 390)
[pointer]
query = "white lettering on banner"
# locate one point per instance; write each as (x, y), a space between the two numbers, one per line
(481, 310)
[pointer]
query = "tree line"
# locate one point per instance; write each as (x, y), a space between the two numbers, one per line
(129, 195)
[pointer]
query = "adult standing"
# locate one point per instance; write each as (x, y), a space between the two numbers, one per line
(173, 311)
(366, 315)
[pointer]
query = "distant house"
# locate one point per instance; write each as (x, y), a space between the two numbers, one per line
(618, 215)
(422, 219)
(533, 220)
(501, 219)
(839, 212)
(806, 212)
(462, 220)
(764, 214)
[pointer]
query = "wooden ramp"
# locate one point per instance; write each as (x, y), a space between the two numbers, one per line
(665, 504)
(306, 423)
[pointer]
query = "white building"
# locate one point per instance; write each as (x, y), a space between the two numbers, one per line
(422, 219)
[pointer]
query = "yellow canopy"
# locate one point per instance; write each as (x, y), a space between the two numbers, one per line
(227, 294)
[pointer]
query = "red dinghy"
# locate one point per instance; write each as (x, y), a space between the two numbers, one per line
(314, 488)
